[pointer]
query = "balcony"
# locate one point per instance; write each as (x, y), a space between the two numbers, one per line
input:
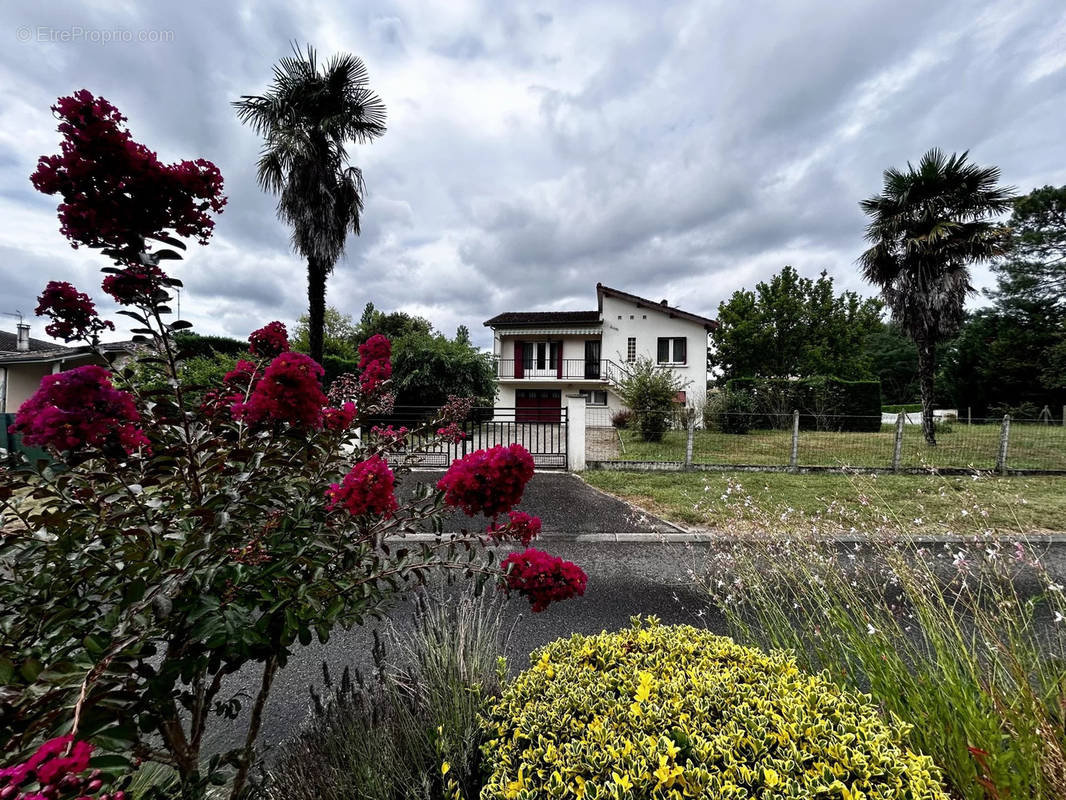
(567, 369)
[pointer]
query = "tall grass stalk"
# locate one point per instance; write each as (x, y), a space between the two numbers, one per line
(386, 737)
(962, 637)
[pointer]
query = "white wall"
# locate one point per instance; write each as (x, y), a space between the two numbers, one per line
(647, 325)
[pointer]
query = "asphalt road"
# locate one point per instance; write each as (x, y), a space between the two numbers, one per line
(636, 563)
(579, 524)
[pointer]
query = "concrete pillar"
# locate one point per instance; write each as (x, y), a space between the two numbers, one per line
(793, 460)
(897, 451)
(575, 432)
(1004, 440)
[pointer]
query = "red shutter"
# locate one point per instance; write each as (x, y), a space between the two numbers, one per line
(519, 369)
(559, 362)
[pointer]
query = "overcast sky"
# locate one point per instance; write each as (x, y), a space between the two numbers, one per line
(676, 149)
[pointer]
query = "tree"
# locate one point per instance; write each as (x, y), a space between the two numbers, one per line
(395, 325)
(462, 334)
(427, 369)
(1035, 266)
(340, 336)
(793, 327)
(929, 224)
(893, 358)
(307, 120)
(651, 393)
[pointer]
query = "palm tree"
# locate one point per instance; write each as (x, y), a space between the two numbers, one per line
(307, 119)
(929, 224)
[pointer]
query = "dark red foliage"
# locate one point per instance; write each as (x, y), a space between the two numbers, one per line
(520, 526)
(369, 488)
(375, 363)
(543, 578)
(269, 341)
(489, 481)
(115, 191)
(79, 408)
(72, 313)
(453, 432)
(228, 400)
(289, 391)
(135, 285)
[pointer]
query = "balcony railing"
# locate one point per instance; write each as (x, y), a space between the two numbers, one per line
(571, 369)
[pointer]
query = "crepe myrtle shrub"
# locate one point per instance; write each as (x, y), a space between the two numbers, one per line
(171, 540)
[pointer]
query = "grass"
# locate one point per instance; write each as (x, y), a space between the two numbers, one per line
(1036, 447)
(924, 503)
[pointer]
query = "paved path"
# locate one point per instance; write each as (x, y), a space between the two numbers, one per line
(566, 505)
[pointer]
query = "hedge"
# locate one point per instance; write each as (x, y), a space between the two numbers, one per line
(657, 711)
(824, 403)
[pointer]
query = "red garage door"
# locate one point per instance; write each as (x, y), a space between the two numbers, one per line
(538, 405)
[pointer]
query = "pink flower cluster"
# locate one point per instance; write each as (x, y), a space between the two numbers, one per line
(115, 191)
(520, 526)
(489, 481)
(543, 578)
(270, 341)
(72, 313)
(339, 419)
(369, 488)
(389, 435)
(456, 409)
(374, 363)
(135, 285)
(289, 391)
(229, 400)
(78, 408)
(453, 432)
(56, 769)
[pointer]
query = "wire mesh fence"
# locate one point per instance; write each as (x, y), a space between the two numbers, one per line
(805, 441)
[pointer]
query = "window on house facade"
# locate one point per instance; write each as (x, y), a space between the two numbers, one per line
(631, 349)
(594, 397)
(672, 350)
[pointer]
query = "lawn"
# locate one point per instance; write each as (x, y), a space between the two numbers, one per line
(963, 446)
(919, 503)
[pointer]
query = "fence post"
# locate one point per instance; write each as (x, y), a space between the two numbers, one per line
(897, 452)
(575, 432)
(691, 438)
(793, 461)
(1064, 416)
(1004, 439)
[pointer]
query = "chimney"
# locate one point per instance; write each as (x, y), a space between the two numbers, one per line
(663, 302)
(23, 345)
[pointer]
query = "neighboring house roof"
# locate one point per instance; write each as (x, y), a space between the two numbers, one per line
(643, 302)
(542, 318)
(9, 343)
(44, 352)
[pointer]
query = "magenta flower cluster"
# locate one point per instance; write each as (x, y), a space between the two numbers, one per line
(375, 364)
(368, 488)
(72, 313)
(289, 391)
(80, 408)
(135, 285)
(270, 341)
(543, 578)
(115, 191)
(520, 526)
(488, 482)
(55, 772)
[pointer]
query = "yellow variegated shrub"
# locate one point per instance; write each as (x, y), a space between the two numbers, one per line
(677, 712)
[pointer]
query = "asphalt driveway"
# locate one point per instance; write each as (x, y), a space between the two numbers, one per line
(567, 507)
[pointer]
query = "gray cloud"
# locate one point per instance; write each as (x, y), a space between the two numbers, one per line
(536, 148)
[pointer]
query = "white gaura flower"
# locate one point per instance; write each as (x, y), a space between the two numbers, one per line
(1054, 587)
(1059, 617)
(870, 629)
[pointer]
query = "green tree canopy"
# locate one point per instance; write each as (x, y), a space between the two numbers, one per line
(1035, 266)
(340, 336)
(794, 326)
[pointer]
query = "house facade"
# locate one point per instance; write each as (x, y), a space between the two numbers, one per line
(543, 356)
(24, 361)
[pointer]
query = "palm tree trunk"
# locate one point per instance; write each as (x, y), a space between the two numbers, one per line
(926, 367)
(316, 306)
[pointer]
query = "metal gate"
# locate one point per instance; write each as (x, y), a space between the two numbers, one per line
(487, 427)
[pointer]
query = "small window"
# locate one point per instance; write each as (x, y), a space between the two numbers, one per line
(672, 350)
(631, 349)
(619, 316)
(644, 316)
(594, 397)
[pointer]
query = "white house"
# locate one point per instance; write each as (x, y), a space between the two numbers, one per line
(542, 356)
